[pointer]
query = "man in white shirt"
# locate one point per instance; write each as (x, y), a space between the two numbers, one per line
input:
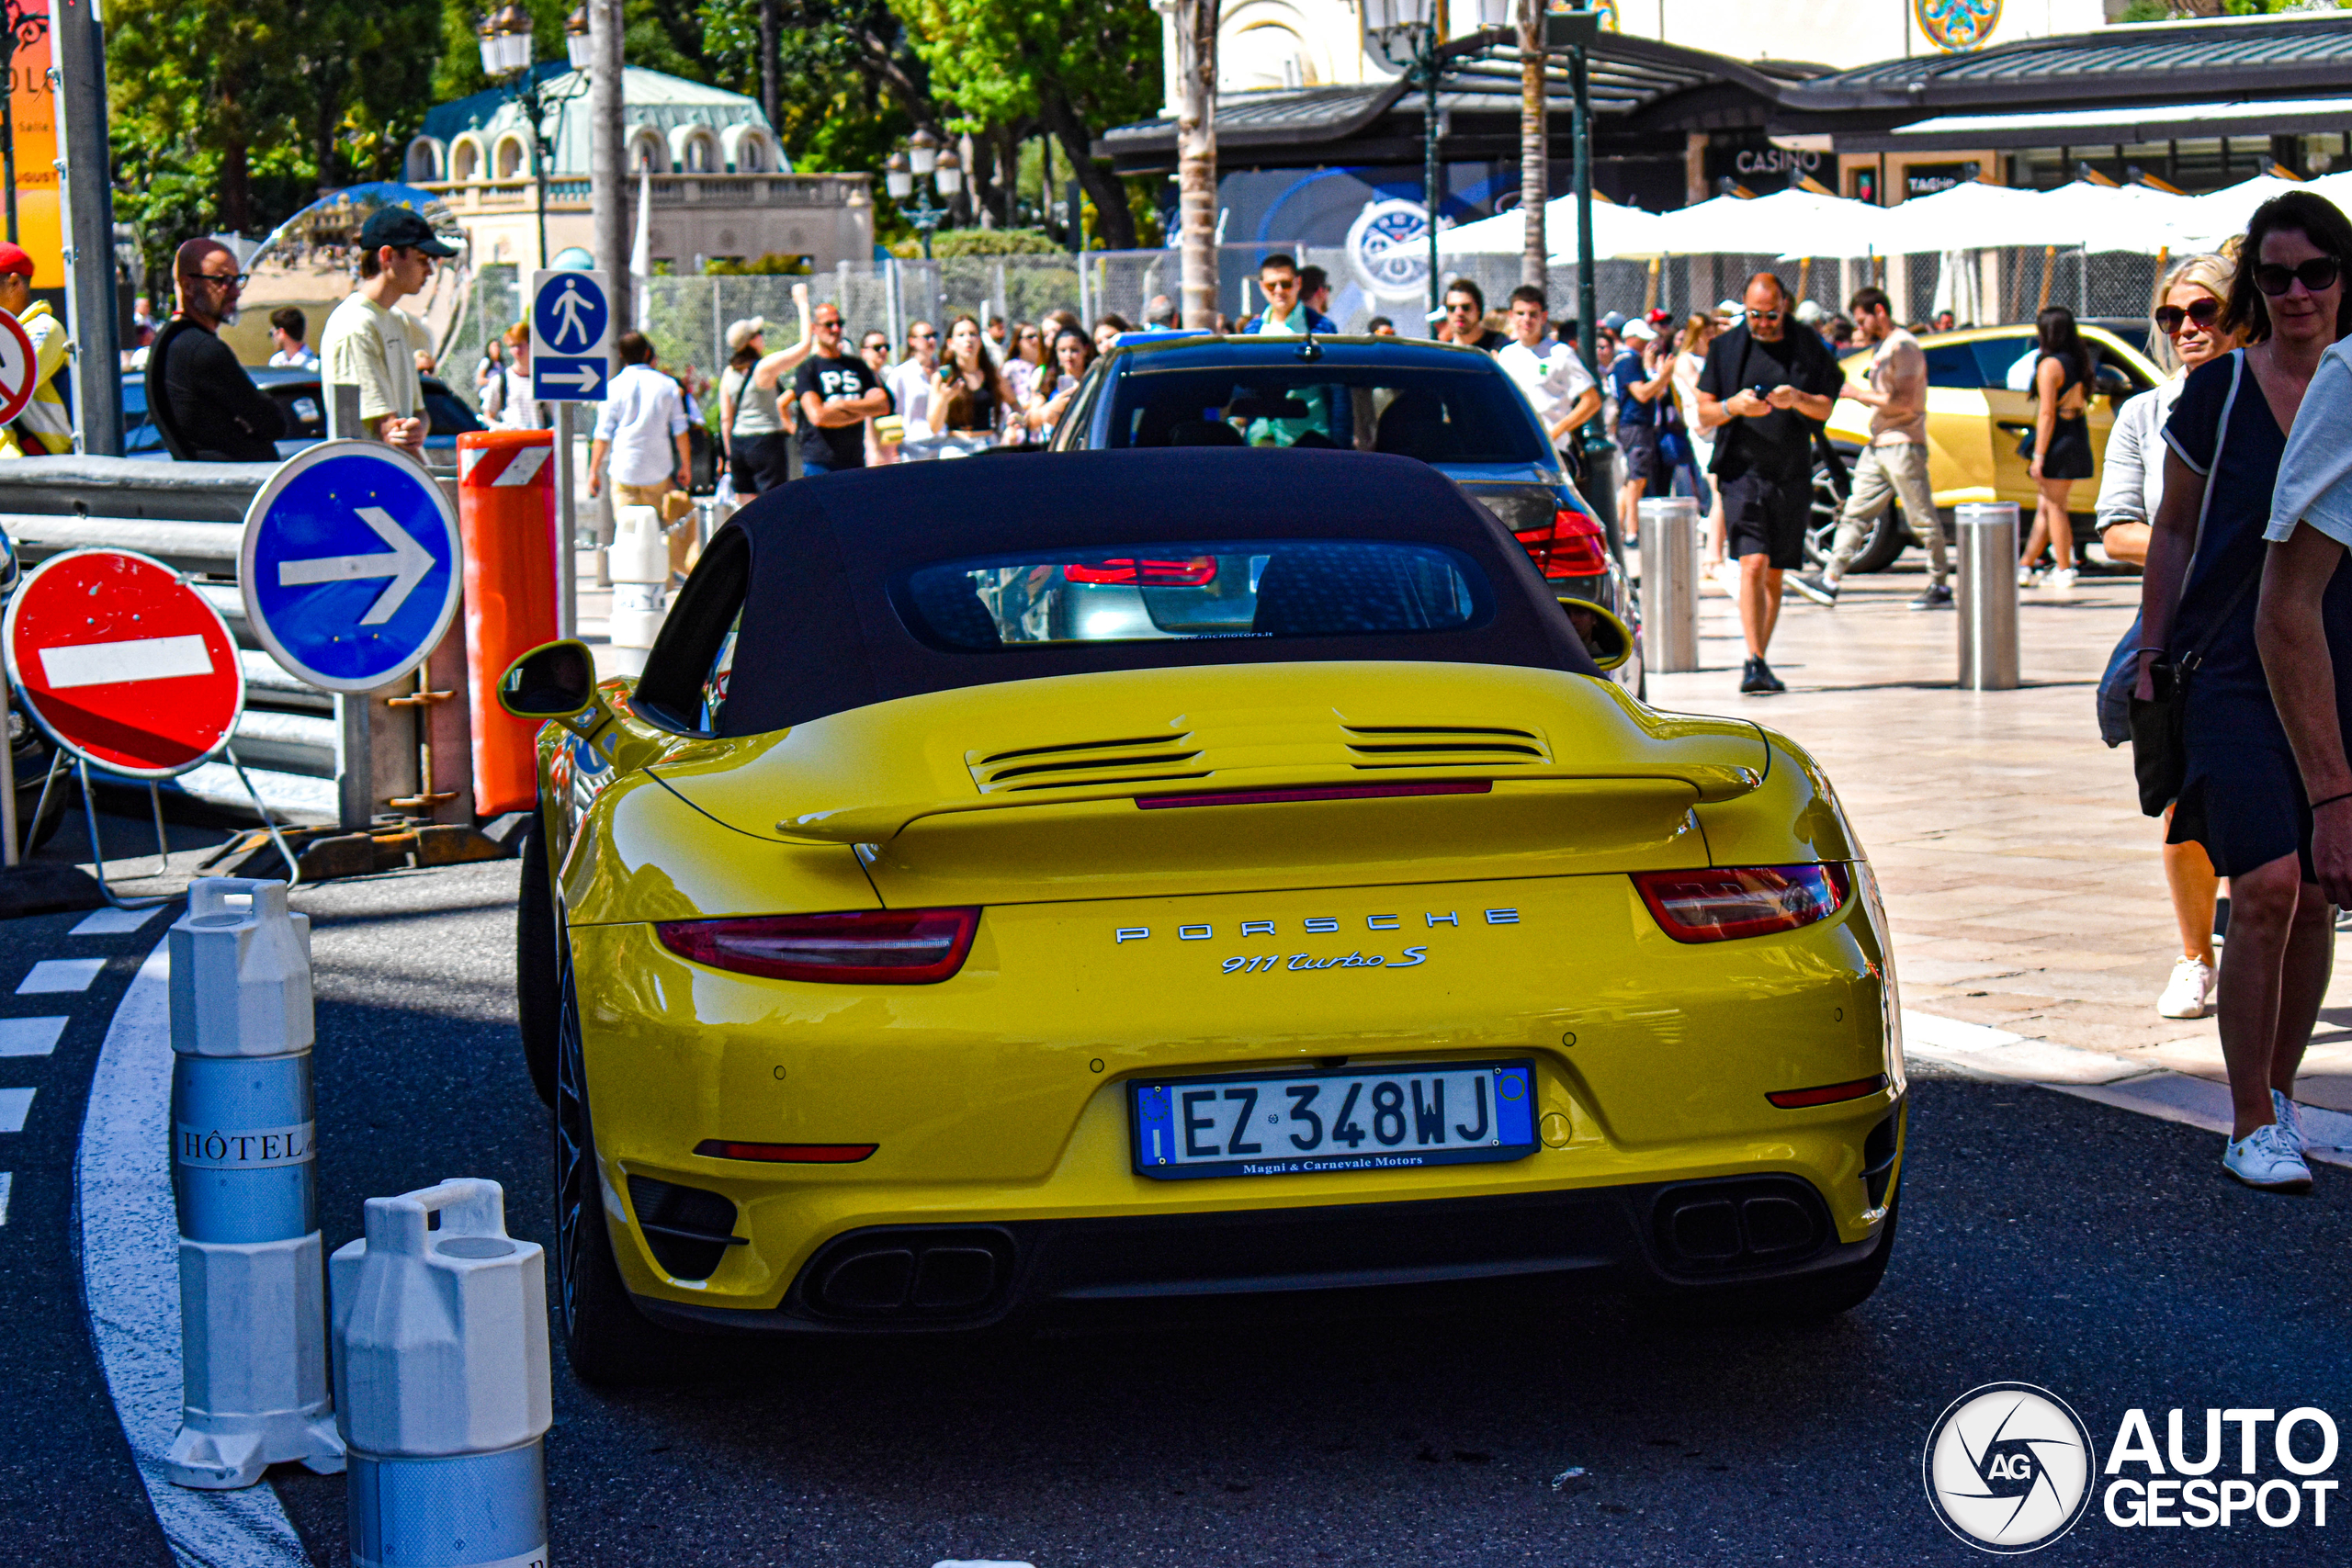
(908, 381)
(373, 346)
(289, 330)
(1559, 387)
(642, 433)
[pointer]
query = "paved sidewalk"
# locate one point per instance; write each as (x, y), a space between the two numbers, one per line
(2024, 885)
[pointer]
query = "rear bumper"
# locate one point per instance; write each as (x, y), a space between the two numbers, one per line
(1727, 1232)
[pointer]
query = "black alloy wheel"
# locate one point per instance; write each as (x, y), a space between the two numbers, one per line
(1888, 535)
(537, 974)
(608, 1340)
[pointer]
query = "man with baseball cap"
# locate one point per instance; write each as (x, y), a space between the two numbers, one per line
(369, 344)
(43, 429)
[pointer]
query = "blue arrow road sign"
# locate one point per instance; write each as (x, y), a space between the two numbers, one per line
(562, 380)
(350, 567)
(571, 314)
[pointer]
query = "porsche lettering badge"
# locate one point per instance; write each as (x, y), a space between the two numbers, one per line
(1319, 925)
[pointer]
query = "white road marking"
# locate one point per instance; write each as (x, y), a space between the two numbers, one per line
(130, 1279)
(30, 1036)
(111, 922)
(15, 1104)
(6, 1181)
(110, 663)
(61, 975)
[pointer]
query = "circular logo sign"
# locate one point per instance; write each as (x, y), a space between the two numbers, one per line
(123, 664)
(1957, 26)
(1389, 248)
(2009, 1467)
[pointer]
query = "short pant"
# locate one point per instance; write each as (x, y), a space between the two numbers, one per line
(1639, 445)
(1766, 517)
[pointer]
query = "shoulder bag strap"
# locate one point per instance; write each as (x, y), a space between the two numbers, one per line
(2196, 654)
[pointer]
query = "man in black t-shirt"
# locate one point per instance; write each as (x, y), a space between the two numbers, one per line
(838, 394)
(1764, 391)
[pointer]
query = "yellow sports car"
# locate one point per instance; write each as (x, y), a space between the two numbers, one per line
(1979, 406)
(1021, 884)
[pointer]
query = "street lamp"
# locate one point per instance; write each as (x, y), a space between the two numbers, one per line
(506, 37)
(1406, 32)
(923, 160)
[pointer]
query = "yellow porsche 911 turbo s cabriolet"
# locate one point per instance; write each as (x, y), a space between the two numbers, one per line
(1022, 884)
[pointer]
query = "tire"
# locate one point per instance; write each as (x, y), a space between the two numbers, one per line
(606, 1339)
(1878, 551)
(539, 1001)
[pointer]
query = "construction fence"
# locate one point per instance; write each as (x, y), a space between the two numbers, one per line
(687, 317)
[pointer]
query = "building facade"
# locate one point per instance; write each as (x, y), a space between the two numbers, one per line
(721, 186)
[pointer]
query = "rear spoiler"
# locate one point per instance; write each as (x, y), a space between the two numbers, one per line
(1676, 788)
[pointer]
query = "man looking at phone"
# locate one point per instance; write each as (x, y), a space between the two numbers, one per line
(1763, 392)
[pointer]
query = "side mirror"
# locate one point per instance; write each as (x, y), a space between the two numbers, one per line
(1607, 638)
(554, 680)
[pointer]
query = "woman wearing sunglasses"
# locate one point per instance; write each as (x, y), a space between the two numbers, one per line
(2132, 487)
(2241, 795)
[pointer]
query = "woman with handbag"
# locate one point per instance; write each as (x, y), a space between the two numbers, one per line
(2131, 491)
(2204, 726)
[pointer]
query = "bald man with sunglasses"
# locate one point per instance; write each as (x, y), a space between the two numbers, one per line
(1764, 393)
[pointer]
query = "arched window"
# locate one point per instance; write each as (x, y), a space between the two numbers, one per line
(514, 159)
(646, 152)
(465, 160)
(693, 150)
(424, 161)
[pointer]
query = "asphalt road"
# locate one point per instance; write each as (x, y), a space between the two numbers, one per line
(2044, 1239)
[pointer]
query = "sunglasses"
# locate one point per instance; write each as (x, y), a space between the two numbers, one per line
(2202, 315)
(1764, 315)
(2318, 273)
(227, 280)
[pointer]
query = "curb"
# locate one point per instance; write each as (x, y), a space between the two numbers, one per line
(1998, 1056)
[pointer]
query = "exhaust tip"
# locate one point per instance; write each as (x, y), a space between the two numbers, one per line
(911, 1274)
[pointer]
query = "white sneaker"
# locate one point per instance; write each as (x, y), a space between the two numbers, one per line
(2189, 991)
(2027, 577)
(2061, 579)
(2290, 1121)
(2263, 1158)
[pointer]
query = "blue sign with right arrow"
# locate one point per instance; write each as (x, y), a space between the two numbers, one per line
(571, 324)
(350, 568)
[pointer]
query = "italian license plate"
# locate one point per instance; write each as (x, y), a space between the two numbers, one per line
(1289, 1124)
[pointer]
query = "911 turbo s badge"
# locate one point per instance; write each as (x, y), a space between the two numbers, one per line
(1259, 964)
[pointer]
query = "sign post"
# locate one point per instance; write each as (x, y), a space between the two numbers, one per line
(126, 668)
(350, 573)
(572, 329)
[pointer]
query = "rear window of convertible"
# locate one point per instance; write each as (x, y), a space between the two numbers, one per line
(1225, 588)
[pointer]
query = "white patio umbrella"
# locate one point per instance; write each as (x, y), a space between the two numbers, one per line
(1787, 222)
(2204, 221)
(1616, 230)
(1972, 215)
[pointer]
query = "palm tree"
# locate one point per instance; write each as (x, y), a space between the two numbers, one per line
(1534, 143)
(1196, 24)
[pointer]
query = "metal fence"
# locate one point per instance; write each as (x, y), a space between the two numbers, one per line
(687, 317)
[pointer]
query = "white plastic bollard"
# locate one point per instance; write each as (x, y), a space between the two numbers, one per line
(253, 1303)
(640, 569)
(441, 1382)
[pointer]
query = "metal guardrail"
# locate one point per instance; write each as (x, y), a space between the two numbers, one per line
(190, 516)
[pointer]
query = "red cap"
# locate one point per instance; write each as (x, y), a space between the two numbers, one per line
(13, 259)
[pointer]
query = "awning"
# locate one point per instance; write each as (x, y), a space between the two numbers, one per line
(2107, 123)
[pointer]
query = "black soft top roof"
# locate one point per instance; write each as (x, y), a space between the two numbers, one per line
(812, 565)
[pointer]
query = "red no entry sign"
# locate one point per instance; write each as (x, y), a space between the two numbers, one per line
(123, 664)
(19, 368)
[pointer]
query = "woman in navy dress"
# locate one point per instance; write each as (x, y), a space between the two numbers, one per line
(2242, 796)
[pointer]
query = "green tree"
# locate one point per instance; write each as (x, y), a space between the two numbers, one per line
(204, 80)
(1074, 68)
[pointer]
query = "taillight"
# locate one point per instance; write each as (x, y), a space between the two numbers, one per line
(860, 947)
(1194, 571)
(1719, 904)
(1572, 546)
